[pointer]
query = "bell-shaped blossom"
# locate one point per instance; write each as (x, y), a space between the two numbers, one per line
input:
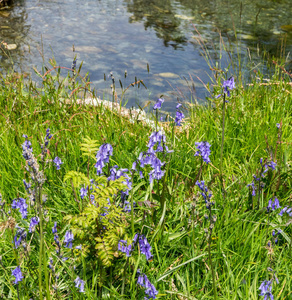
(33, 223)
(204, 151)
(102, 156)
(158, 103)
(68, 239)
(17, 274)
(57, 161)
(21, 205)
(79, 283)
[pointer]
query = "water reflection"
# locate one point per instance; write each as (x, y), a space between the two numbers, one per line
(119, 35)
(161, 16)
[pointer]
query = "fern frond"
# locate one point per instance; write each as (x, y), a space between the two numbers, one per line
(89, 147)
(77, 178)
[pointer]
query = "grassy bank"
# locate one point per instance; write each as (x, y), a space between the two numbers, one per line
(194, 256)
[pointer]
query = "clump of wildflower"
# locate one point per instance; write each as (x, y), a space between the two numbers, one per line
(228, 85)
(57, 161)
(273, 204)
(257, 180)
(17, 274)
(150, 289)
(158, 103)
(32, 166)
(102, 156)
(125, 248)
(203, 151)
(287, 210)
(79, 283)
(21, 205)
(145, 247)
(33, 223)
(68, 239)
(83, 192)
(266, 286)
(19, 237)
(179, 115)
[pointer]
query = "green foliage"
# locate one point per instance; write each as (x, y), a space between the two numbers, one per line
(89, 147)
(76, 178)
(100, 227)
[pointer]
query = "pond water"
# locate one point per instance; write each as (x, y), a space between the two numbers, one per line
(126, 35)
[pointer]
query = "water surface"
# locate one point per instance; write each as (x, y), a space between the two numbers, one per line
(118, 36)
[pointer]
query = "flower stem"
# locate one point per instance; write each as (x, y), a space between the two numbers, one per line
(222, 139)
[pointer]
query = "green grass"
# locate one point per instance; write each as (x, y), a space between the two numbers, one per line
(180, 268)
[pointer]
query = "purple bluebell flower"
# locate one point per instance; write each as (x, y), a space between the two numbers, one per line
(102, 156)
(79, 247)
(272, 205)
(278, 125)
(252, 185)
(33, 223)
(17, 274)
(178, 117)
(21, 205)
(203, 150)
(150, 289)
(178, 105)
(27, 186)
(145, 247)
(47, 137)
(57, 161)
(125, 248)
(287, 210)
(79, 283)
(158, 103)
(266, 290)
(19, 237)
(83, 192)
(54, 229)
(228, 84)
(204, 191)
(68, 239)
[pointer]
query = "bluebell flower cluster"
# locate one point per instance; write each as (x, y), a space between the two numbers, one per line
(266, 290)
(179, 115)
(145, 247)
(17, 274)
(79, 283)
(83, 192)
(116, 173)
(150, 290)
(287, 210)
(21, 205)
(57, 161)
(203, 151)
(32, 166)
(68, 239)
(102, 156)
(257, 182)
(125, 248)
(156, 144)
(204, 190)
(44, 147)
(20, 237)
(272, 205)
(228, 85)
(33, 223)
(158, 103)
